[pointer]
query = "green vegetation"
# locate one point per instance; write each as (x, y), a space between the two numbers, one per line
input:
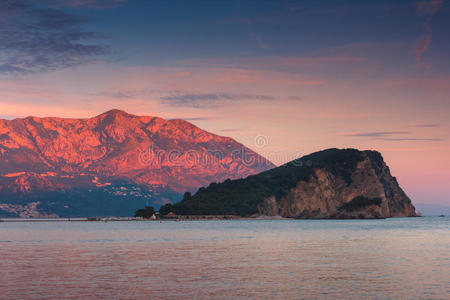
(242, 196)
(360, 202)
(145, 213)
(165, 209)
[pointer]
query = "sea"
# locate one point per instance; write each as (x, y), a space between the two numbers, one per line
(398, 258)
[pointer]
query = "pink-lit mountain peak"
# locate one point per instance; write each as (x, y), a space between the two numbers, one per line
(57, 154)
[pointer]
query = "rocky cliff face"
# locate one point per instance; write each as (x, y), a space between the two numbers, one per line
(328, 184)
(113, 156)
(367, 191)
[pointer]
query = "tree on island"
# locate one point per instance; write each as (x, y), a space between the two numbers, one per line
(168, 208)
(165, 209)
(145, 213)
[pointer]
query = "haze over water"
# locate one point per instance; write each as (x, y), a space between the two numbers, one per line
(393, 258)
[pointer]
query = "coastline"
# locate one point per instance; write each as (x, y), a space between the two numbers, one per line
(125, 219)
(177, 219)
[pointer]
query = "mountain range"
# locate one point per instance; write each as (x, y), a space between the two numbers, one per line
(111, 164)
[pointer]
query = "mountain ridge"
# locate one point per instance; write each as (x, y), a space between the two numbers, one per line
(51, 154)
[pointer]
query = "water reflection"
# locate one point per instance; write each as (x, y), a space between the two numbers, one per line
(397, 258)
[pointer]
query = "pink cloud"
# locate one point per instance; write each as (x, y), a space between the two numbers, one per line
(428, 9)
(422, 45)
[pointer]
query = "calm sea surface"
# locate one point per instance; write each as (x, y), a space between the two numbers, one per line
(269, 259)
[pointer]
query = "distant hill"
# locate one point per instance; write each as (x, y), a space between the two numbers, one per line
(111, 164)
(328, 184)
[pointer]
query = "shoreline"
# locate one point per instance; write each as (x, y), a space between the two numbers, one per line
(173, 219)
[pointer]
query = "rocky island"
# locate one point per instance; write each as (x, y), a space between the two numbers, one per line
(334, 184)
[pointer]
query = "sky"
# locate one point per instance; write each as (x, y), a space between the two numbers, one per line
(284, 77)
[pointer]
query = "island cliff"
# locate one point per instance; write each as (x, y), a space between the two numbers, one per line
(332, 183)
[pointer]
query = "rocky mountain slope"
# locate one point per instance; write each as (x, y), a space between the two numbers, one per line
(329, 184)
(110, 164)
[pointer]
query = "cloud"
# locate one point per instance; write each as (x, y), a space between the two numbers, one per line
(427, 9)
(42, 39)
(373, 134)
(210, 99)
(427, 125)
(422, 45)
(296, 98)
(197, 119)
(183, 98)
(414, 139)
(88, 3)
(230, 130)
(386, 136)
(120, 94)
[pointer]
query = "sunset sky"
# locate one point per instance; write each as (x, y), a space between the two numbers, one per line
(306, 75)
